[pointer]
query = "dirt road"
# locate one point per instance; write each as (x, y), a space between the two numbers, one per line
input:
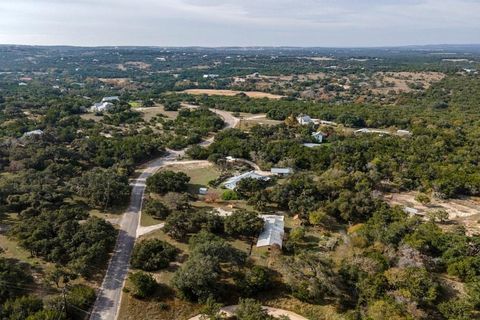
(230, 311)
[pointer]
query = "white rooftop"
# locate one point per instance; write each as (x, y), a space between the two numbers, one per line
(232, 182)
(273, 231)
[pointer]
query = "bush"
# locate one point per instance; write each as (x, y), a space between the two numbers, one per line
(229, 195)
(82, 297)
(168, 181)
(152, 255)
(254, 280)
(144, 285)
(156, 209)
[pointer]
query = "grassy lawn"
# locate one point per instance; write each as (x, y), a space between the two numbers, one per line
(135, 104)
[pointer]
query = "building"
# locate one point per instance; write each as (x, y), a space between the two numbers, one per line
(230, 159)
(232, 182)
(273, 231)
(312, 145)
(304, 120)
(203, 191)
(318, 136)
(211, 76)
(404, 133)
(328, 123)
(281, 171)
(111, 99)
(33, 133)
(101, 107)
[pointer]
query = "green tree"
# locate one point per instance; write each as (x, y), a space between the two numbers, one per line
(168, 181)
(144, 285)
(249, 309)
(152, 255)
(156, 209)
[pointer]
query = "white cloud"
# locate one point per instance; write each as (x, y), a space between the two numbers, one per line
(239, 22)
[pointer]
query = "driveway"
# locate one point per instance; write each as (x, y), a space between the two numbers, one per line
(230, 311)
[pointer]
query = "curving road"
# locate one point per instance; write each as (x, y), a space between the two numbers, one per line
(109, 296)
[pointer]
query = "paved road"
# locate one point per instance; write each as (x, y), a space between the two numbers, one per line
(109, 296)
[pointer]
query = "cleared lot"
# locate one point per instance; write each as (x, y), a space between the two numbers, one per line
(251, 94)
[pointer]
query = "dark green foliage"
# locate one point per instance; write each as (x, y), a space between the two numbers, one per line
(21, 308)
(144, 285)
(180, 224)
(152, 255)
(156, 209)
(249, 309)
(243, 223)
(168, 181)
(103, 188)
(197, 279)
(13, 279)
(82, 297)
(254, 280)
(58, 236)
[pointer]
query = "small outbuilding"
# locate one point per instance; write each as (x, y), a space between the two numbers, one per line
(273, 231)
(318, 136)
(281, 171)
(202, 191)
(304, 119)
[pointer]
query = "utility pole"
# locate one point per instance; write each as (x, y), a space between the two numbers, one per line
(64, 293)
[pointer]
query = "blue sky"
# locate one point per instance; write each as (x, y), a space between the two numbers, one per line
(240, 22)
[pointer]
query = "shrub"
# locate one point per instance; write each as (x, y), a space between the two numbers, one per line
(152, 255)
(144, 284)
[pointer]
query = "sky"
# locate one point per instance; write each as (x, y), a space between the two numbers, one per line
(318, 23)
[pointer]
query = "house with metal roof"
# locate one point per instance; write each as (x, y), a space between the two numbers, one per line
(101, 107)
(233, 181)
(273, 231)
(304, 119)
(281, 171)
(111, 99)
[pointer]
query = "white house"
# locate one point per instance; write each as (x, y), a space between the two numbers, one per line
(101, 107)
(318, 136)
(273, 231)
(404, 133)
(111, 99)
(281, 171)
(304, 120)
(37, 133)
(232, 182)
(312, 145)
(210, 75)
(202, 191)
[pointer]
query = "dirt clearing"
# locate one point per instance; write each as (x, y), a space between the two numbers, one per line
(230, 93)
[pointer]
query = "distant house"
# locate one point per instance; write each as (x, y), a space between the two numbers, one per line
(101, 107)
(312, 145)
(327, 123)
(232, 182)
(111, 99)
(412, 211)
(318, 136)
(230, 159)
(273, 231)
(281, 171)
(210, 75)
(304, 120)
(203, 191)
(37, 133)
(404, 133)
